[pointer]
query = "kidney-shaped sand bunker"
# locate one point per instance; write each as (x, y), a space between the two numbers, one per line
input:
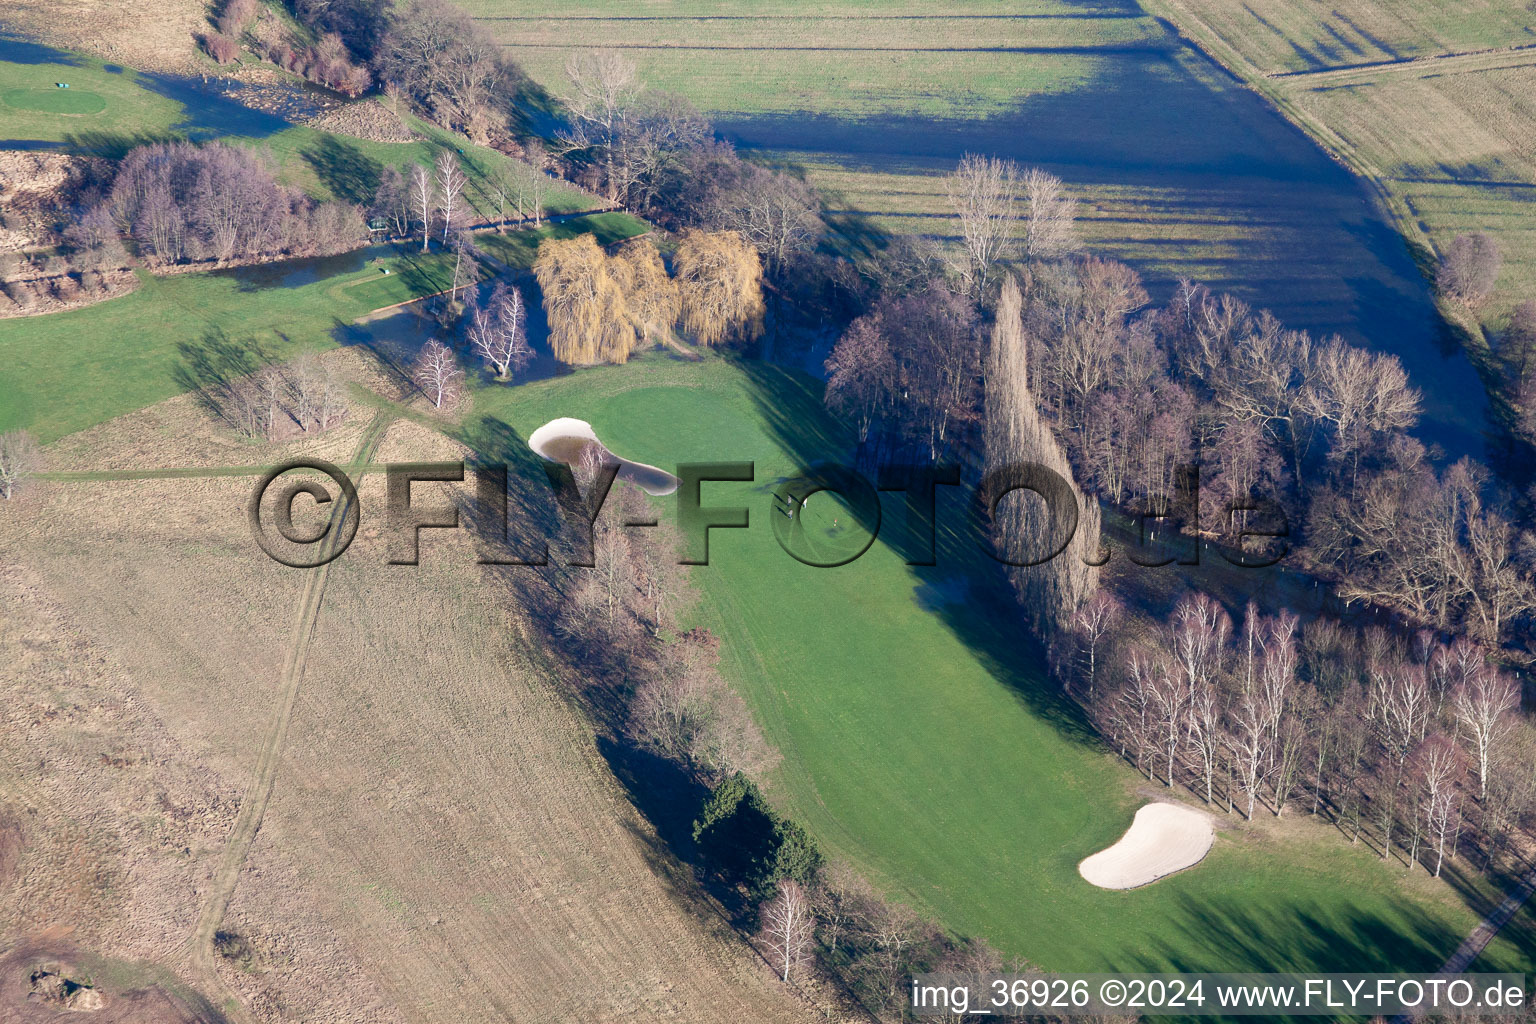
(570, 440)
(1163, 838)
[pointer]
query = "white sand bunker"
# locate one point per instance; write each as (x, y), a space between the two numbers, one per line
(570, 441)
(1162, 839)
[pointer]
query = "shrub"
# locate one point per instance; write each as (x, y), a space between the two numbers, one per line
(22, 294)
(236, 16)
(220, 47)
(747, 844)
(1469, 268)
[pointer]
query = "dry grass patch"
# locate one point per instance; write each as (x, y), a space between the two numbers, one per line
(444, 843)
(155, 35)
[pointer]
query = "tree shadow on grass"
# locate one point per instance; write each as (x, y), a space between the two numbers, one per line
(389, 354)
(109, 144)
(1295, 936)
(985, 616)
(350, 174)
(211, 364)
(661, 790)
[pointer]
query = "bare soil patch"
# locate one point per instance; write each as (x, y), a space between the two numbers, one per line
(50, 978)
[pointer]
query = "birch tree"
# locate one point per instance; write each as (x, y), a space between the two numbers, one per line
(498, 331)
(1049, 217)
(1485, 706)
(788, 930)
(438, 375)
(1439, 766)
(19, 459)
(449, 181)
(983, 193)
(422, 200)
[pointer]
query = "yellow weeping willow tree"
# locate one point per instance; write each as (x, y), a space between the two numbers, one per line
(650, 295)
(720, 281)
(588, 319)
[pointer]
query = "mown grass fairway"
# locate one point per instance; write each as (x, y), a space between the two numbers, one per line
(68, 371)
(32, 102)
(921, 741)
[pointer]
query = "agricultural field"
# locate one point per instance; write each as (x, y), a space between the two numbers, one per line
(236, 792)
(1179, 170)
(922, 742)
(1433, 101)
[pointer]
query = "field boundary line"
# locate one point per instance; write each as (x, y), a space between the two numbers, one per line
(198, 946)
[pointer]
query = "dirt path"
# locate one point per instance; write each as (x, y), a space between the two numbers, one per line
(197, 951)
(1477, 940)
(1435, 64)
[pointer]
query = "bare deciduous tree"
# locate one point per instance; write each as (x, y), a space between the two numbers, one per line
(1469, 268)
(983, 192)
(449, 181)
(604, 84)
(422, 200)
(498, 331)
(1093, 623)
(861, 372)
(1439, 765)
(1049, 217)
(19, 459)
(788, 930)
(1485, 706)
(450, 67)
(438, 375)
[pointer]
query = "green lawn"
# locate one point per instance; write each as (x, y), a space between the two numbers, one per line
(137, 108)
(54, 101)
(920, 741)
(31, 112)
(519, 248)
(68, 371)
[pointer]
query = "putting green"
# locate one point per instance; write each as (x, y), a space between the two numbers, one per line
(54, 101)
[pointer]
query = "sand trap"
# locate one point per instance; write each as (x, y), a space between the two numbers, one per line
(1162, 839)
(565, 440)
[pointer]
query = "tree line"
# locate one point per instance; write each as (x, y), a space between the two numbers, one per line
(1412, 744)
(181, 202)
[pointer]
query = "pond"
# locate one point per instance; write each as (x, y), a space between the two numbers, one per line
(296, 273)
